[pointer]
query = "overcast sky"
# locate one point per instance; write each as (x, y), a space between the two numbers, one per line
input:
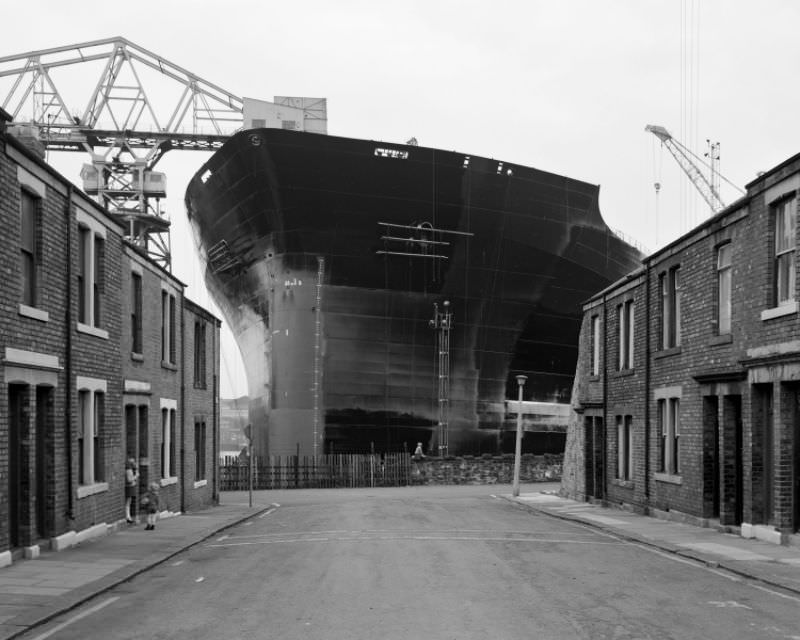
(565, 86)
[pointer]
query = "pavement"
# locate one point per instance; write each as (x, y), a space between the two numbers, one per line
(35, 591)
(770, 564)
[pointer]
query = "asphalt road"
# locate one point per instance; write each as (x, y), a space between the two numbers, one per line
(429, 563)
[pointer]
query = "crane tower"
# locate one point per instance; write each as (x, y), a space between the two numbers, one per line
(708, 189)
(121, 127)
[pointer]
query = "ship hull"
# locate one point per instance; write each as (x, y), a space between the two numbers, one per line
(327, 255)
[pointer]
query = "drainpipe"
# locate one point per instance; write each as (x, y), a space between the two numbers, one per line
(215, 420)
(647, 385)
(605, 397)
(68, 360)
(183, 478)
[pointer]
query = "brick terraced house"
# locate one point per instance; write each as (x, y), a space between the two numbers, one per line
(101, 358)
(687, 391)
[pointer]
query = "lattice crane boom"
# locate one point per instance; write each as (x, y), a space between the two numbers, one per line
(684, 157)
(121, 127)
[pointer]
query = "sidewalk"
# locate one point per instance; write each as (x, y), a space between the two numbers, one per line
(33, 591)
(770, 564)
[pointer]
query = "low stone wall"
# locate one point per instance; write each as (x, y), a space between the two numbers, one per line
(486, 469)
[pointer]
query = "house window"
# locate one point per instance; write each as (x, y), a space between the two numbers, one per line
(199, 449)
(785, 222)
(625, 318)
(91, 426)
(669, 410)
(670, 308)
(91, 277)
(167, 328)
(29, 214)
(624, 447)
(724, 289)
(168, 442)
(200, 355)
(595, 345)
(136, 313)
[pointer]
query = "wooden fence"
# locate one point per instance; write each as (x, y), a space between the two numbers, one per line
(328, 471)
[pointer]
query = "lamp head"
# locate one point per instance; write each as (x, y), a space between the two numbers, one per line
(521, 379)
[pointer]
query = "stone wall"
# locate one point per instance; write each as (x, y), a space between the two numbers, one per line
(486, 469)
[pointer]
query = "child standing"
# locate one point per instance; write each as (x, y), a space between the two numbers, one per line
(131, 479)
(151, 503)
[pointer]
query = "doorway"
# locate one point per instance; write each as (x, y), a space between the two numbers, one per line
(17, 427)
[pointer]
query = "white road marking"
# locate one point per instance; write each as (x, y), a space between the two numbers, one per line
(82, 614)
(200, 579)
(266, 513)
(415, 537)
(175, 564)
(729, 604)
(247, 524)
(221, 538)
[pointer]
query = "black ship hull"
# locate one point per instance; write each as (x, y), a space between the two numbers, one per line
(327, 255)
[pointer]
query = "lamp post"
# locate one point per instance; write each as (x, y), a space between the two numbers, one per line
(518, 448)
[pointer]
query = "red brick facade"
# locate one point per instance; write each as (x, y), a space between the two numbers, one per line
(706, 423)
(75, 395)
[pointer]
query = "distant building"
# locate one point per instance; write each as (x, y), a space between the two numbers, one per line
(232, 422)
(688, 380)
(101, 358)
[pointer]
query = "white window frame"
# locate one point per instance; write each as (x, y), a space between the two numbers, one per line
(88, 390)
(90, 230)
(169, 413)
(724, 288)
(669, 409)
(785, 243)
(169, 318)
(670, 281)
(596, 345)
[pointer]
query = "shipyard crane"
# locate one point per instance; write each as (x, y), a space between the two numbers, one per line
(709, 189)
(684, 157)
(122, 128)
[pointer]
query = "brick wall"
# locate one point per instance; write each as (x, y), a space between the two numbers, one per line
(721, 379)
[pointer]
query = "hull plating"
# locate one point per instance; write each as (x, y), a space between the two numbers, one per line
(326, 256)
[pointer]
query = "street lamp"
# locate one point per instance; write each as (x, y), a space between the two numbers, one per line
(518, 448)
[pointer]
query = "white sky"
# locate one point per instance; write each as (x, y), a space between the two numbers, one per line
(565, 86)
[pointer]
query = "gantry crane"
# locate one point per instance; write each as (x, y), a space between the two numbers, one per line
(121, 128)
(707, 188)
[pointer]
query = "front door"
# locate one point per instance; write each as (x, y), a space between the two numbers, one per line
(797, 473)
(18, 416)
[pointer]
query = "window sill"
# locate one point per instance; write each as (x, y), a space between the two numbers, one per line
(201, 387)
(785, 309)
(623, 373)
(137, 357)
(165, 482)
(726, 338)
(625, 484)
(666, 353)
(595, 377)
(200, 483)
(33, 312)
(668, 478)
(169, 365)
(86, 490)
(92, 331)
